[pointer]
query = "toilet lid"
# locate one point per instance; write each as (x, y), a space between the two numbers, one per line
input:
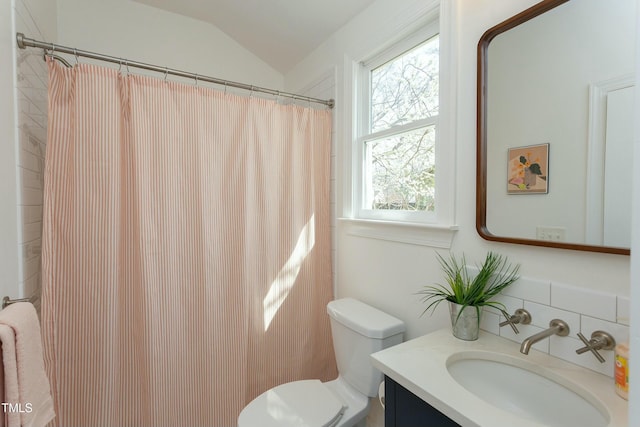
(305, 403)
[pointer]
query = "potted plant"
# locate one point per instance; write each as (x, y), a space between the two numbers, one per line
(468, 294)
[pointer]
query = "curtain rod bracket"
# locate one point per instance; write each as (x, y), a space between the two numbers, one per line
(20, 40)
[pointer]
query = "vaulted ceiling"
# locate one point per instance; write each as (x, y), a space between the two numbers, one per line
(280, 32)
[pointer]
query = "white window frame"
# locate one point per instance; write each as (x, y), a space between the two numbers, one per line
(436, 229)
(364, 78)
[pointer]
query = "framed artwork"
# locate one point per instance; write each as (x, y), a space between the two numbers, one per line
(528, 170)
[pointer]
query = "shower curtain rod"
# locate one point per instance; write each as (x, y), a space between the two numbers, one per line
(24, 42)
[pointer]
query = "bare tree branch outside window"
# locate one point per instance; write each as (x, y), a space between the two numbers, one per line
(401, 167)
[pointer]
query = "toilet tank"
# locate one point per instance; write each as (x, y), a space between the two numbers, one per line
(359, 330)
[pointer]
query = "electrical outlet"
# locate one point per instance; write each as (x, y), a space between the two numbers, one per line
(554, 234)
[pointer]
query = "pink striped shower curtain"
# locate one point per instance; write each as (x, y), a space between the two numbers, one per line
(186, 249)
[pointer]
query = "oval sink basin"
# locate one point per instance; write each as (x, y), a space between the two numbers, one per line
(527, 390)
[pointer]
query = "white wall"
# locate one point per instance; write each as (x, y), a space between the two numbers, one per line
(388, 274)
(634, 395)
(380, 273)
(127, 29)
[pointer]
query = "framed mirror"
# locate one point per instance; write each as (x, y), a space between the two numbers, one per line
(555, 109)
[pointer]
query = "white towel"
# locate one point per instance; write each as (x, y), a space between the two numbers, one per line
(30, 394)
(10, 392)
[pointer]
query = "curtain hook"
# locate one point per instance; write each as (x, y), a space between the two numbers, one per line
(120, 65)
(75, 54)
(166, 73)
(52, 52)
(251, 93)
(126, 64)
(225, 87)
(196, 80)
(277, 97)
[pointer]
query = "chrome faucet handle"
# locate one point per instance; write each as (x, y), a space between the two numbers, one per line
(521, 316)
(600, 340)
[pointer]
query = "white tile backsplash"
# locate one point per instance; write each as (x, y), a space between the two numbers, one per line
(590, 324)
(585, 311)
(511, 304)
(593, 303)
(623, 312)
(489, 322)
(565, 348)
(542, 314)
(525, 331)
(530, 289)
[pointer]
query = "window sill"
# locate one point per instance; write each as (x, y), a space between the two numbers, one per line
(437, 236)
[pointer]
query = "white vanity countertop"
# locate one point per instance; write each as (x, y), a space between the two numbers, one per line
(419, 365)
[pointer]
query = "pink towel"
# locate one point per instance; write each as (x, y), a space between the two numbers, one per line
(27, 397)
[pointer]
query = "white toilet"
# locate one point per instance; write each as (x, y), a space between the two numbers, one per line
(358, 330)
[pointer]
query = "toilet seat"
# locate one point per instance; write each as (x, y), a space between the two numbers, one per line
(307, 403)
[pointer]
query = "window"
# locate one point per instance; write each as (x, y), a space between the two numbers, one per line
(403, 131)
(396, 150)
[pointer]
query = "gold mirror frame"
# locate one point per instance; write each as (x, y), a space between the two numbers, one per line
(481, 134)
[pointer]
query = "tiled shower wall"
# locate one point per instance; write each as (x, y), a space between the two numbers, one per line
(36, 19)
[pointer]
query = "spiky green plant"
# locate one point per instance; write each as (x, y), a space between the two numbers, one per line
(494, 275)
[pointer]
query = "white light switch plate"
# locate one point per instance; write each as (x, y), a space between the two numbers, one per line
(555, 234)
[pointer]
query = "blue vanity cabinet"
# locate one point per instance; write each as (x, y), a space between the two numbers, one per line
(405, 409)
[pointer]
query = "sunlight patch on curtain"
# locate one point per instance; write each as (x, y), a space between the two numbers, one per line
(286, 278)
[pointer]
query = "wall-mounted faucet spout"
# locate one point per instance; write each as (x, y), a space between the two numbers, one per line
(556, 327)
